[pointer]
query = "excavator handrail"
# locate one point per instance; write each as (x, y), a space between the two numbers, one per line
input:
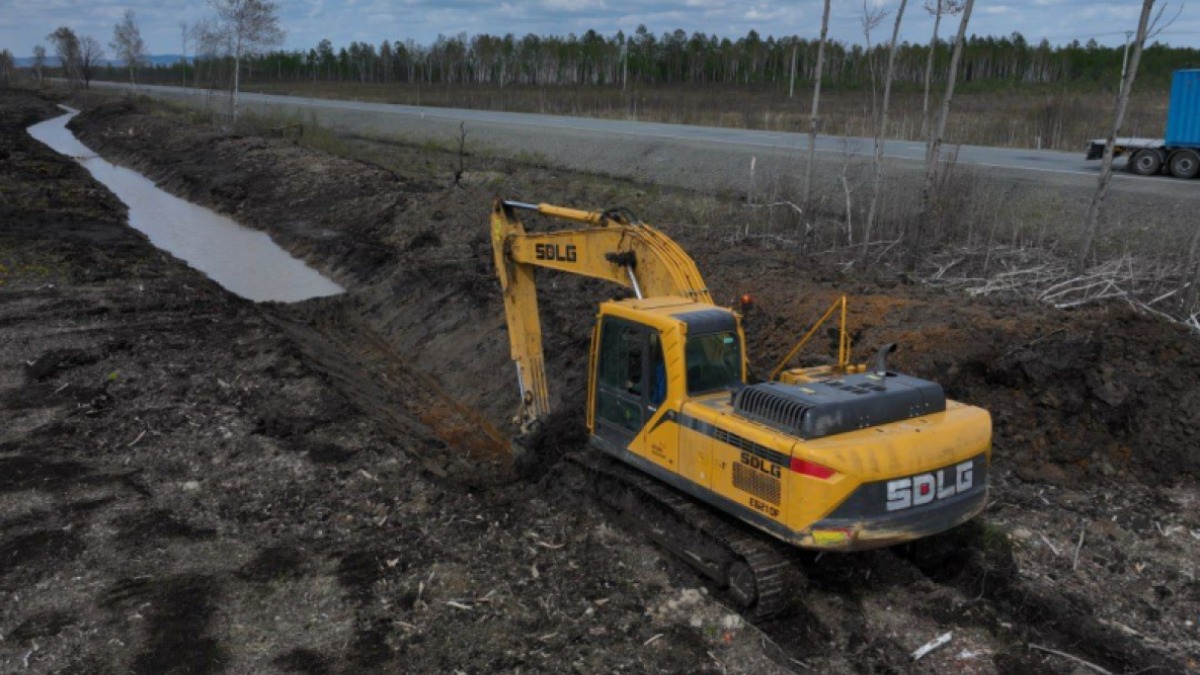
(843, 340)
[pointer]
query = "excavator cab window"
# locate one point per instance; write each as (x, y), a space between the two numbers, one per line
(714, 362)
(658, 372)
(619, 387)
(632, 380)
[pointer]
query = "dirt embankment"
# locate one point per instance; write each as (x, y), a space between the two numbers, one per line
(1094, 480)
(185, 489)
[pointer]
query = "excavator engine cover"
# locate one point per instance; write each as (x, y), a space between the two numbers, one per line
(818, 409)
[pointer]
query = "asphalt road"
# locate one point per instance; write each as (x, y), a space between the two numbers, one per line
(686, 156)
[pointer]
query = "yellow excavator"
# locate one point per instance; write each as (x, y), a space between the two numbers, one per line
(841, 457)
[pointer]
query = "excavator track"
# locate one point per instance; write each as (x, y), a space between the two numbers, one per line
(761, 575)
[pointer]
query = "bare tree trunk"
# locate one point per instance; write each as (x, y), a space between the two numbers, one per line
(881, 133)
(792, 85)
(237, 77)
(937, 21)
(933, 148)
(1193, 266)
(814, 120)
(1092, 219)
(183, 39)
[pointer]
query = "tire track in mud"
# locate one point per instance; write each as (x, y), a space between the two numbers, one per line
(964, 581)
(977, 560)
(867, 611)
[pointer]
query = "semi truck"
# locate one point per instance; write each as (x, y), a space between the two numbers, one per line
(1178, 154)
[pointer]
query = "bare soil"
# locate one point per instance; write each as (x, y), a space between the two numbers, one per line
(190, 483)
(325, 487)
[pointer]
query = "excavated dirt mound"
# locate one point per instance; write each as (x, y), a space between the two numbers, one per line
(1088, 547)
(1074, 395)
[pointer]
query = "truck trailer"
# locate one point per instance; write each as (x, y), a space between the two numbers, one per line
(1179, 153)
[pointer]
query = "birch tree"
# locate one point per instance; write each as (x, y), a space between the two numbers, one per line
(127, 44)
(90, 56)
(933, 147)
(66, 47)
(39, 62)
(1092, 218)
(7, 68)
(208, 43)
(938, 9)
(249, 26)
(814, 120)
(881, 132)
(185, 37)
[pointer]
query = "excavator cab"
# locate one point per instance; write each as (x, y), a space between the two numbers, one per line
(649, 355)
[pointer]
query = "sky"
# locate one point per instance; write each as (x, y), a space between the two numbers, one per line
(24, 23)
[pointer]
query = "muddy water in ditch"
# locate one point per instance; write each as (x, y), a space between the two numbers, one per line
(242, 260)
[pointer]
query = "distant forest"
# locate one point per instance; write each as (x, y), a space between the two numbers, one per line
(678, 58)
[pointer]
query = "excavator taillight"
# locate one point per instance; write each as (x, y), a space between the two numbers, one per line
(803, 466)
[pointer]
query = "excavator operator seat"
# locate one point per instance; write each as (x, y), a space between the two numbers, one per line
(713, 351)
(714, 362)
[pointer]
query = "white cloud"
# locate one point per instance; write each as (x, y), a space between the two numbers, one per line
(24, 23)
(572, 5)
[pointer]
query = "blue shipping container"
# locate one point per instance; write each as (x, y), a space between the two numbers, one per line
(1183, 117)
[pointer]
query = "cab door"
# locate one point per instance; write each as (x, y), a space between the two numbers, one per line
(631, 384)
(659, 439)
(621, 395)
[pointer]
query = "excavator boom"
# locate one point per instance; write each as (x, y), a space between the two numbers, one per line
(612, 245)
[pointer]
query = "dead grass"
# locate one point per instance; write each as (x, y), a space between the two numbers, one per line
(1060, 119)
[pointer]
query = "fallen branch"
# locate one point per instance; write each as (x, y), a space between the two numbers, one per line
(1145, 284)
(933, 644)
(772, 205)
(1082, 531)
(1052, 546)
(1076, 659)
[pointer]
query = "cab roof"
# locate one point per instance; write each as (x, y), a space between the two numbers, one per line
(700, 317)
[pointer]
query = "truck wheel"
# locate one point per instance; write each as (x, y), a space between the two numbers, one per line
(1145, 162)
(1185, 164)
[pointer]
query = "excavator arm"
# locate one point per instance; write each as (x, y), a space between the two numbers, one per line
(610, 245)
